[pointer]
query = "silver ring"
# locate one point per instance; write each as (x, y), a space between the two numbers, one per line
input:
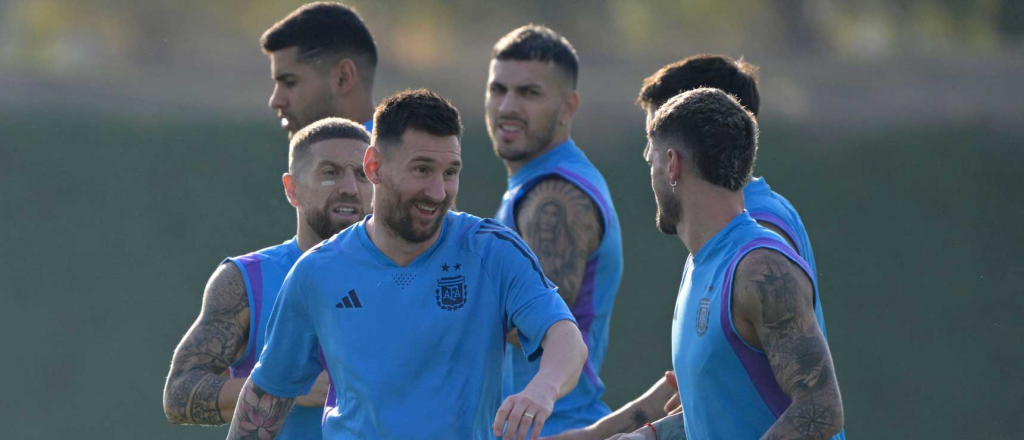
(528, 415)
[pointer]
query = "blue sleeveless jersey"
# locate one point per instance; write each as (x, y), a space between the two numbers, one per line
(767, 206)
(726, 387)
(593, 306)
(264, 272)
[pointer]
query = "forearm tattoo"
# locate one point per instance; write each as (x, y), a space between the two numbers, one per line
(259, 414)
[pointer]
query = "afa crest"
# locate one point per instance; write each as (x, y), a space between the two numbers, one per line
(451, 292)
(703, 313)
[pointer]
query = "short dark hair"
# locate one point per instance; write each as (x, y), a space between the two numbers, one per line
(322, 130)
(323, 28)
(420, 109)
(735, 77)
(538, 43)
(717, 134)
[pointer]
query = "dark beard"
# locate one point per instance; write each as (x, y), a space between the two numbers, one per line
(320, 221)
(397, 219)
(534, 143)
(667, 215)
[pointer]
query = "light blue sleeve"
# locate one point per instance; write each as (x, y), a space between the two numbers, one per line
(290, 363)
(532, 303)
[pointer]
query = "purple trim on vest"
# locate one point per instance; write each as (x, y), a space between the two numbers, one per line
(594, 192)
(754, 362)
(583, 311)
(254, 270)
(781, 224)
(332, 395)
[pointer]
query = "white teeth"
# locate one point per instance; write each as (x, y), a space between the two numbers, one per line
(345, 210)
(425, 207)
(284, 122)
(511, 127)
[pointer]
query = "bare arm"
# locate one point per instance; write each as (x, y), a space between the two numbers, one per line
(631, 417)
(259, 415)
(560, 368)
(198, 390)
(562, 225)
(776, 299)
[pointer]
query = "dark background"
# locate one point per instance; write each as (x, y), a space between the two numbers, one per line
(129, 172)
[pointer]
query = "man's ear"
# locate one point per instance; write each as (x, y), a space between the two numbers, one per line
(371, 164)
(289, 189)
(346, 76)
(569, 107)
(675, 164)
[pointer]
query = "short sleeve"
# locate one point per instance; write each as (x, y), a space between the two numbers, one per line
(532, 303)
(290, 363)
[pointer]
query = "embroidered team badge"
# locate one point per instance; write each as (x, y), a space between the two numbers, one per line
(703, 312)
(451, 292)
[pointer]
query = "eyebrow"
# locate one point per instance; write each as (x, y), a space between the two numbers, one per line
(283, 76)
(426, 159)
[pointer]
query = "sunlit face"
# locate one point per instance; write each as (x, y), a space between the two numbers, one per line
(333, 191)
(669, 210)
(419, 181)
(302, 94)
(524, 101)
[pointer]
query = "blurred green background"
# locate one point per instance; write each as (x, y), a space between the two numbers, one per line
(137, 151)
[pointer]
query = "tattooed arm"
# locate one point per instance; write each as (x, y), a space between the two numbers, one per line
(631, 417)
(198, 390)
(562, 225)
(259, 415)
(773, 309)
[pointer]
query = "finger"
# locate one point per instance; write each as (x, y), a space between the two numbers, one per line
(524, 421)
(538, 424)
(672, 403)
(515, 416)
(678, 410)
(501, 416)
(670, 376)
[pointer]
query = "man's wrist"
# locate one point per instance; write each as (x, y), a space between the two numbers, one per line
(543, 387)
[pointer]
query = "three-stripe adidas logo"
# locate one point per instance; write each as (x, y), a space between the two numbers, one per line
(350, 301)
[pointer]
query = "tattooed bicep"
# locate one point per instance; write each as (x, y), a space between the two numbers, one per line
(783, 297)
(221, 332)
(225, 293)
(563, 227)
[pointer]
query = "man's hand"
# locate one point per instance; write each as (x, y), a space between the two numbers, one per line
(318, 395)
(530, 407)
(673, 406)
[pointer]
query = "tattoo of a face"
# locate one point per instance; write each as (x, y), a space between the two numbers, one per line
(561, 224)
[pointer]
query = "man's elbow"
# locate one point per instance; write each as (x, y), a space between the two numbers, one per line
(838, 419)
(174, 410)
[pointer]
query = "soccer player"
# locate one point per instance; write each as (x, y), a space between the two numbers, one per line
(326, 184)
(767, 207)
(409, 308)
(557, 200)
(747, 346)
(322, 60)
